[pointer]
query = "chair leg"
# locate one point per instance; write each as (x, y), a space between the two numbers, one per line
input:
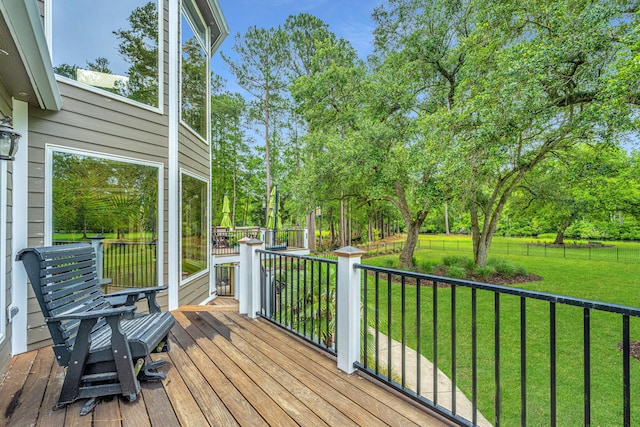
(149, 371)
(90, 405)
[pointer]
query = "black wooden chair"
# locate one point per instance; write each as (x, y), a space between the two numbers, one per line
(102, 343)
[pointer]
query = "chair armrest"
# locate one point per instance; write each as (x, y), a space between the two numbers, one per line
(133, 291)
(131, 295)
(93, 314)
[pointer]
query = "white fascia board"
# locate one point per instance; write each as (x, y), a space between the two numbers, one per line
(25, 25)
(221, 23)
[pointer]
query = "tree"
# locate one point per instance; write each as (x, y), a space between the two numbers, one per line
(260, 71)
(536, 86)
(139, 47)
(420, 60)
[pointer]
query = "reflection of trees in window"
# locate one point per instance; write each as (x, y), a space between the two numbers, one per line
(93, 195)
(138, 46)
(194, 85)
(194, 225)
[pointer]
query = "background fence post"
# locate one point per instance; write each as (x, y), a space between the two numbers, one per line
(249, 289)
(348, 302)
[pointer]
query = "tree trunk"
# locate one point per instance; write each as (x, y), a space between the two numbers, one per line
(370, 230)
(406, 256)
(446, 218)
(311, 230)
(267, 154)
(341, 225)
(560, 234)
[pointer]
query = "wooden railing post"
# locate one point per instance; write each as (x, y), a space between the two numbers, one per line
(348, 302)
(249, 289)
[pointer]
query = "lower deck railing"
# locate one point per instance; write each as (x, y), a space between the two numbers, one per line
(298, 293)
(477, 353)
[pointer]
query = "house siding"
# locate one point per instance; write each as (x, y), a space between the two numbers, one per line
(5, 345)
(102, 123)
(93, 122)
(194, 157)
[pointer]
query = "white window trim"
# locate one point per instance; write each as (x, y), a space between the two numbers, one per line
(48, 195)
(159, 109)
(206, 45)
(3, 250)
(208, 239)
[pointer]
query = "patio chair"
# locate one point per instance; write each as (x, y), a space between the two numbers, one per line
(103, 346)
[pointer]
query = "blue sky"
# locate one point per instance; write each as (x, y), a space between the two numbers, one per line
(350, 19)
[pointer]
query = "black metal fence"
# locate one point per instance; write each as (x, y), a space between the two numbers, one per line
(226, 242)
(225, 279)
(284, 239)
(520, 357)
(128, 264)
(299, 294)
(596, 251)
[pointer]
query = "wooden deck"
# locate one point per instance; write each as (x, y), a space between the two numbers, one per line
(223, 370)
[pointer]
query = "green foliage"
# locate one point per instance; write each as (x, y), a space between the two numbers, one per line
(456, 272)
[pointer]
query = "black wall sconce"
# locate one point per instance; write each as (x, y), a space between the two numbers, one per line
(8, 140)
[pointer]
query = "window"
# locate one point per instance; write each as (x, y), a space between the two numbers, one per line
(114, 198)
(193, 76)
(110, 45)
(194, 220)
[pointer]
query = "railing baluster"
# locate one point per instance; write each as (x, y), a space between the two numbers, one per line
(327, 311)
(418, 349)
(434, 304)
(311, 300)
(319, 303)
(523, 361)
(404, 330)
(496, 333)
(298, 295)
(626, 374)
(474, 355)
(389, 343)
(552, 362)
(365, 323)
(304, 301)
(454, 384)
(587, 367)
(377, 331)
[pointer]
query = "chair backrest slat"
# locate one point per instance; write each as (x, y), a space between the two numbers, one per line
(64, 279)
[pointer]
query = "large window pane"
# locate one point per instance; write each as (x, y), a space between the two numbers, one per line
(193, 80)
(194, 225)
(118, 200)
(111, 45)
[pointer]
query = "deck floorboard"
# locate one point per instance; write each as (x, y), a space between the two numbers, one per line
(223, 369)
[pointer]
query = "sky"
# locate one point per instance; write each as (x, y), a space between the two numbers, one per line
(349, 19)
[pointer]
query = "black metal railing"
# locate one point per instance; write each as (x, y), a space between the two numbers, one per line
(299, 294)
(226, 242)
(225, 279)
(130, 264)
(283, 239)
(594, 251)
(127, 264)
(520, 357)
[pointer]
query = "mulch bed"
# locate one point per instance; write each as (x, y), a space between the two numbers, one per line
(634, 349)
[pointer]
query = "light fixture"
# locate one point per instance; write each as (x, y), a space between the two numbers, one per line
(8, 140)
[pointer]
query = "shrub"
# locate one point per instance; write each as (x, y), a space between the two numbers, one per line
(456, 260)
(485, 272)
(427, 267)
(388, 263)
(456, 272)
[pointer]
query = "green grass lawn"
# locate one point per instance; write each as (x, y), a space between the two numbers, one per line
(612, 282)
